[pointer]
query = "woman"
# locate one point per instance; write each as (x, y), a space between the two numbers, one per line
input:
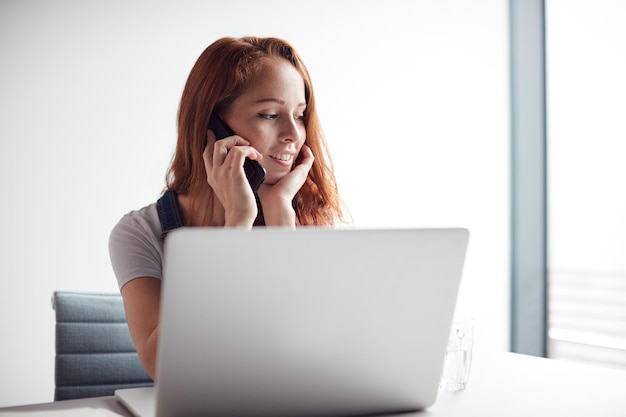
(261, 89)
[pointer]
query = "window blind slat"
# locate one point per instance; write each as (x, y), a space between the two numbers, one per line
(587, 317)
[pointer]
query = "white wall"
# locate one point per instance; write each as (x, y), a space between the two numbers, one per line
(413, 97)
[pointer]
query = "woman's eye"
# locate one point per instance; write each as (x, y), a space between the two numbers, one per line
(299, 117)
(267, 116)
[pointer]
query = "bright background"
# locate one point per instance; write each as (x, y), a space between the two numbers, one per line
(413, 98)
(586, 51)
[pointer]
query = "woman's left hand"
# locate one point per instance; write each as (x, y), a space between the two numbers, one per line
(276, 199)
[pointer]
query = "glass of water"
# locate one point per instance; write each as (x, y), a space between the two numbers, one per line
(458, 360)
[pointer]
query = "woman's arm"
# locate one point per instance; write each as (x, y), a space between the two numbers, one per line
(142, 299)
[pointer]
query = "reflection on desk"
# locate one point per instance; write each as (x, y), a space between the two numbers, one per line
(500, 385)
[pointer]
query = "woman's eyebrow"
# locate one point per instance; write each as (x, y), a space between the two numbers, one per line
(276, 100)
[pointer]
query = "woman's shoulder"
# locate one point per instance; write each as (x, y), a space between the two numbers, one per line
(146, 214)
(143, 221)
(135, 245)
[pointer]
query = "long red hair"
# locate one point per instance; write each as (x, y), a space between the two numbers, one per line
(219, 76)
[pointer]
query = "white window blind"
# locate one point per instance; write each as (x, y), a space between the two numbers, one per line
(586, 292)
(587, 317)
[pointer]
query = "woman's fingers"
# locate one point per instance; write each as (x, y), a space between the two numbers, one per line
(225, 156)
(287, 187)
(222, 147)
(304, 166)
(307, 157)
(207, 154)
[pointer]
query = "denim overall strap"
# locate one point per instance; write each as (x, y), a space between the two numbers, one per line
(169, 213)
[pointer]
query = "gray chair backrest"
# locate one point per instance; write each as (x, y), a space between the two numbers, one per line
(95, 354)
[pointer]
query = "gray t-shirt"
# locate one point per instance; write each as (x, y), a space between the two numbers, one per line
(136, 247)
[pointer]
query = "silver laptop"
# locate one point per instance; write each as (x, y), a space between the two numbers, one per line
(313, 322)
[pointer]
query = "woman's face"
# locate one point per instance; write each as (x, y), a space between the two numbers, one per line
(270, 115)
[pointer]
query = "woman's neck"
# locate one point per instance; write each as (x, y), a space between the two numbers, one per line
(206, 211)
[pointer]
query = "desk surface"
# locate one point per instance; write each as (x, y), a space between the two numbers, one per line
(501, 385)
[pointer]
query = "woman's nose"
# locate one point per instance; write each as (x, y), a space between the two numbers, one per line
(292, 131)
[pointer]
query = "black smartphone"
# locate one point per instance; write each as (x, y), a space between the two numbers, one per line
(253, 169)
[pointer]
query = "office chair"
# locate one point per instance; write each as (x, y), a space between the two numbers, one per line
(95, 354)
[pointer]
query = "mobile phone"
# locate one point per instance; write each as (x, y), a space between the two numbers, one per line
(255, 173)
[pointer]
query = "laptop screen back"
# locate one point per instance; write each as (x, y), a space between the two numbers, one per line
(309, 322)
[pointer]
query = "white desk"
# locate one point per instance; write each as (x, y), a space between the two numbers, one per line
(501, 385)
(511, 385)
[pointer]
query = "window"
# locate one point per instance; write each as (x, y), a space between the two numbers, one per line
(586, 137)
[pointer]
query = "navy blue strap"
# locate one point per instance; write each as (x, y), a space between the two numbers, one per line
(169, 213)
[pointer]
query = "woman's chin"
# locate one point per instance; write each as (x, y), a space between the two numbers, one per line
(273, 178)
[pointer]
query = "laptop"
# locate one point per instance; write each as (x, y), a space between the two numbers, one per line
(312, 322)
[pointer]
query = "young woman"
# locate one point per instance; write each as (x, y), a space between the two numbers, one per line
(261, 89)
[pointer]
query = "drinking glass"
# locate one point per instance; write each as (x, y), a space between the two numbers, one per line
(458, 359)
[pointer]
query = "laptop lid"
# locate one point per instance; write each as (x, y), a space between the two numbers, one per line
(276, 322)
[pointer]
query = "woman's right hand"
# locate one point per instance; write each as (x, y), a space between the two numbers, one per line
(223, 163)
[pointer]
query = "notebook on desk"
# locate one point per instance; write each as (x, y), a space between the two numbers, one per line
(277, 322)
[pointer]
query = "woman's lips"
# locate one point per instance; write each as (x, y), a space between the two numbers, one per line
(285, 159)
